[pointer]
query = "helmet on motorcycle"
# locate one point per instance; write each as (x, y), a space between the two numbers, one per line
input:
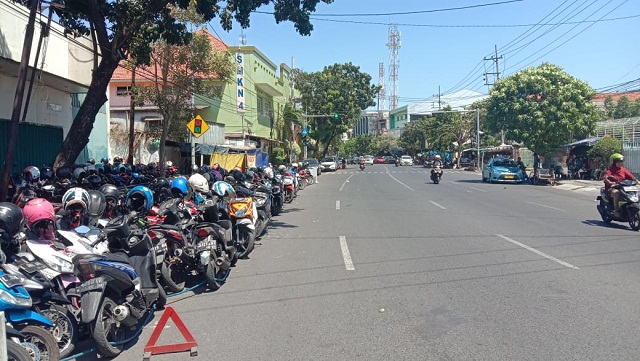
(47, 173)
(139, 198)
(268, 172)
(616, 156)
(94, 180)
(11, 218)
(205, 169)
(168, 164)
(110, 192)
(31, 174)
(249, 174)
(194, 168)
(438, 156)
(294, 165)
(223, 189)
(90, 168)
(179, 187)
(282, 167)
(36, 211)
(75, 199)
(100, 168)
(63, 173)
(138, 168)
(238, 175)
(162, 183)
(104, 160)
(79, 173)
(199, 183)
(97, 203)
(91, 161)
(117, 160)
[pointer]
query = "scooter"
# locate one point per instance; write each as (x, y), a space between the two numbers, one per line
(397, 162)
(629, 207)
(361, 166)
(436, 175)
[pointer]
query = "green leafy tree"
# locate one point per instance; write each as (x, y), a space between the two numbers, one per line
(453, 129)
(609, 106)
(636, 108)
(291, 118)
(385, 142)
(624, 108)
(129, 29)
(359, 145)
(543, 106)
(414, 134)
(178, 72)
(278, 156)
(339, 89)
(605, 147)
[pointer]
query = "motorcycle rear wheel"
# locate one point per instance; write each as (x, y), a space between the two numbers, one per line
(105, 331)
(173, 276)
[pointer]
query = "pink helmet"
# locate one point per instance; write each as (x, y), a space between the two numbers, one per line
(36, 210)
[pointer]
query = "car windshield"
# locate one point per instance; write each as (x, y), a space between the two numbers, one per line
(406, 157)
(504, 163)
(328, 159)
(312, 162)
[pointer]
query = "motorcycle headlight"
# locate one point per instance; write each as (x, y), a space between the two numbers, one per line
(61, 265)
(17, 301)
(633, 198)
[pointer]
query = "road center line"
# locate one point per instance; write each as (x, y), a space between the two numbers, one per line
(348, 263)
(569, 265)
(346, 181)
(542, 205)
(337, 204)
(437, 205)
(395, 179)
(478, 189)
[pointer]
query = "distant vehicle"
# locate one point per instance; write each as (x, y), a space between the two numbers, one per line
(406, 160)
(502, 170)
(389, 159)
(329, 163)
(379, 160)
(313, 163)
(368, 160)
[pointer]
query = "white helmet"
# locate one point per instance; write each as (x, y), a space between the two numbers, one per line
(294, 165)
(268, 172)
(168, 163)
(223, 189)
(437, 156)
(281, 167)
(199, 183)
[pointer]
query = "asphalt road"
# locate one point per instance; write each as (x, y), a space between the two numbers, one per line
(382, 264)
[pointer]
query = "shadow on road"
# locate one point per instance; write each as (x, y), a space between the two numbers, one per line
(279, 224)
(599, 223)
(468, 181)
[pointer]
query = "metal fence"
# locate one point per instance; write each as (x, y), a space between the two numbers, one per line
(631, 152)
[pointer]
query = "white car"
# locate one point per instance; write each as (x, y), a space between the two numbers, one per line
(406, 160)
(368, 160)
(329, 163)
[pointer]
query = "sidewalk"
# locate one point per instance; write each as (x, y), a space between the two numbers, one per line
(579, 185)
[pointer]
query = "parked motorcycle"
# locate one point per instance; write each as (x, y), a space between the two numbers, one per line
(629, 206)
(119, 288)
(436, 175)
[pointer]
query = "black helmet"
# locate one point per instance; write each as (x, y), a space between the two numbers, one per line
(138, 168)
(205, 169)
(63, 173)
(163, 183)
(94, 180)
(110, 192)
(47, 173)
(10, 219)
(97, 203)
(91, 161)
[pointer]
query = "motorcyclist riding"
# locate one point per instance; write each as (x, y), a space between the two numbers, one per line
(615, 174)
(361, 162)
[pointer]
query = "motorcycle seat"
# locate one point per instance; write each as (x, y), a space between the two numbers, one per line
(166, 226)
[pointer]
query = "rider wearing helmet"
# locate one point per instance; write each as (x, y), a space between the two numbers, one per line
(40, 219)
(615, 174)
(75, 203)
(437, 162)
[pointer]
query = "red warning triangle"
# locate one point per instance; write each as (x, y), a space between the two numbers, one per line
(190, 344)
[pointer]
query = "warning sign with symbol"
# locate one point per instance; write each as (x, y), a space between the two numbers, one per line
(197, 126)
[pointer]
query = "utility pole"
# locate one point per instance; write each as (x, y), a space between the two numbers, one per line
(44, 33)
(495, 58)
(132, 117)
(17, 100)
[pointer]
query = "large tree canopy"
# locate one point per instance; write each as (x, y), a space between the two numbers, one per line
(340, 89)
(543, 106)
(127, 28)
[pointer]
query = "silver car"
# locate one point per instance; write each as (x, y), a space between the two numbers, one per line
(329, 163)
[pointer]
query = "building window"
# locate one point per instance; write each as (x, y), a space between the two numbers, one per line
(260, 106)
(123, 91)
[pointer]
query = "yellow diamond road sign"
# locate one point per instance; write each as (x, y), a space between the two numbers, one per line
(197, 126)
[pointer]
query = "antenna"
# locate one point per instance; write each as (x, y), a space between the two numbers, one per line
(393, 45)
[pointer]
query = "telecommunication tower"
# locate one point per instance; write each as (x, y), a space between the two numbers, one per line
(382, 94)
(393, 45)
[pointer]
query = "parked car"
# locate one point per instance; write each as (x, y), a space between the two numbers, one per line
(502, 170)
(389, 159)
(368, 160)
(378, 160)
(313, 164)
(329, 163)
(406, 160)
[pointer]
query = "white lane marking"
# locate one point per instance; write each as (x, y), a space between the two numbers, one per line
(346, 181)
(478, 189)
(395, 179)
(348, 263)
(437, 205)
(542, 205)
(569, 265)
(337, 204)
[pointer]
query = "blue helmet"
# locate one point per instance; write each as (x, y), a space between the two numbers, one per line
(179, 186)
(139, 198)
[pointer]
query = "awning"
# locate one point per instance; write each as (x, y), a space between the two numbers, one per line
(588, 141)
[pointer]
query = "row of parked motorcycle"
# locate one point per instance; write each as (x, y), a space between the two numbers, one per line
(95, 263)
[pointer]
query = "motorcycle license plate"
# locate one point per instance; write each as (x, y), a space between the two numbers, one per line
(11, 281)
(32, 267)
(205, 245)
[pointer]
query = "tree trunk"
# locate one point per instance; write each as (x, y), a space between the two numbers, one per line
(78, 135)
(326, 148)
(166, 123)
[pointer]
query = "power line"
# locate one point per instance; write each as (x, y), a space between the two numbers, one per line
(410, 12)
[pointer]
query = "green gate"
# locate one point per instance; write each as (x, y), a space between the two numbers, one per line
(37, 144)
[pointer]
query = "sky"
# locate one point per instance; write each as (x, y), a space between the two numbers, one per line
(445, 49)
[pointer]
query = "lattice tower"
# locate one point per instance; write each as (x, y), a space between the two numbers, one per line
(393, 45)
(382, 94)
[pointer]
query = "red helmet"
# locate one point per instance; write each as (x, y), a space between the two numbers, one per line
(37, 210)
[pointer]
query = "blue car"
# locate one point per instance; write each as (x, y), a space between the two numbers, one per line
(502, 170)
